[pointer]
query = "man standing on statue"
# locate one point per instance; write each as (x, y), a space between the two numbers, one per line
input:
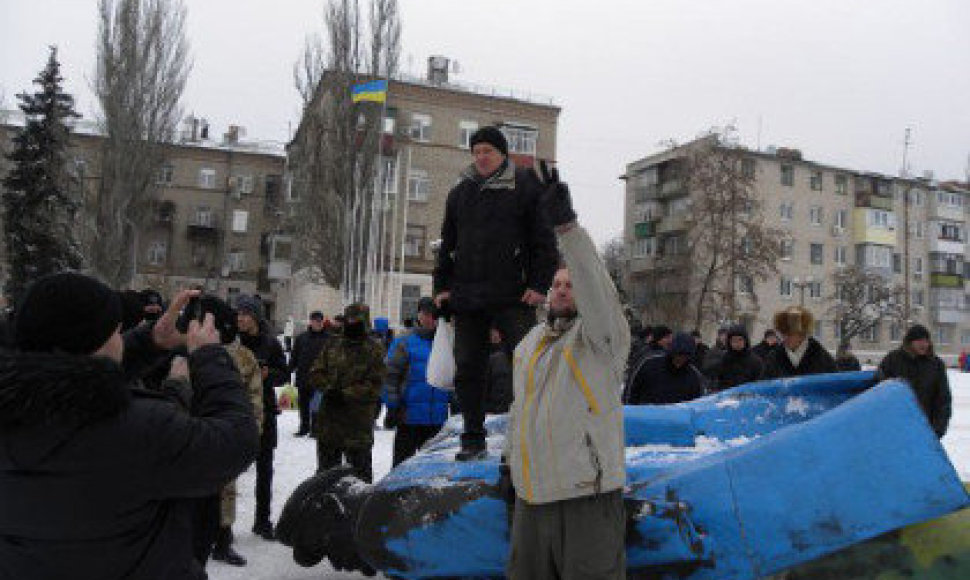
(495, 264)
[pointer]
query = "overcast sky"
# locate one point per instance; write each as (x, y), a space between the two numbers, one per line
(839, 79)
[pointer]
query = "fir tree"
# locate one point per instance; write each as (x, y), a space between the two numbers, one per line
(39, 194)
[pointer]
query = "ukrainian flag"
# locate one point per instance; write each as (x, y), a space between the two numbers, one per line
(374, 91)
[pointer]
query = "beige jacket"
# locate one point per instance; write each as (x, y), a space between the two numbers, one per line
(252, 378)
(565, 433)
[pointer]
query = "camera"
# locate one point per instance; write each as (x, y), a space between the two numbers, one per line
(224, 315)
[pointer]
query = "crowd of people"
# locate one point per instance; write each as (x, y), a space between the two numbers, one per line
(149, 410)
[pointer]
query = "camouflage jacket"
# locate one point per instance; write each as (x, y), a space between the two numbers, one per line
(251, 376)
(355, 369)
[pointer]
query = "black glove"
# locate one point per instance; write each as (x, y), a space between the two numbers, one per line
(555, 199)
(394, 417)
(504, 486)
(333, 397)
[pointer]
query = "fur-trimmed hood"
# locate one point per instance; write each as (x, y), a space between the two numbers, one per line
(58, 389)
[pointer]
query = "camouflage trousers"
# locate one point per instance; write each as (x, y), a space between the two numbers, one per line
(227, 505)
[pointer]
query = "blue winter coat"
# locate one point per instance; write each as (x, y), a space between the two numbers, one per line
(406, 383)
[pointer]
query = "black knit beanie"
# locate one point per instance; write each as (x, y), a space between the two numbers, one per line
(67, 311)
(493, 136)
(916, 332)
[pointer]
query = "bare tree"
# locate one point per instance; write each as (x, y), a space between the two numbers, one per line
(614, 256)
(143, 64)
(727, 239)
(334, 156)
(861, 299)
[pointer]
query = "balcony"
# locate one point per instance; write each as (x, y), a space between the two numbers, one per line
(866, 199)
(645, 229)
(945, 212)
(947, 245)
(203, 228)
(671, 224)
(948, 314)
(940, 280)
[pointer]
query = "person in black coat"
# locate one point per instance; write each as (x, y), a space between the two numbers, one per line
(255, 334)
(499, 397)
(846, 361)
(306, 347)
(799, 353)
(494, 266)
(738, 365)
(670, 378)
(768, 343)
(700, 350)
(925, 372)
(97, 474)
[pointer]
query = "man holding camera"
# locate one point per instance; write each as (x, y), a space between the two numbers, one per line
(494, 266)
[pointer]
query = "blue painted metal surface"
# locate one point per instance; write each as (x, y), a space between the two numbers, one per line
(740, 484)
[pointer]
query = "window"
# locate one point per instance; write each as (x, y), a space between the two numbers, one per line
(943, 334)
(841, 218)
(786, 211)
(815, 215)
(746, 246)
(748, 167)
(242, 184)
(281, 248)
(877, 256)
(787, 249)
(156, 252)
(410, 295)
(236, 261)
(965, 337)
(818, 329)
(918, 266)
(414, 241)
(895, 332)
(815, 181)
(207, 178)
(166, 173)
(897, 263)
(389, 124)
(521, 140)
(203, 217)
(871, 334)
(841, 184)
(816, 253)
(787, 175)
(918, 297)
(200, 255)
(836, 330)
(420, 127)
(643, 247)
(419, 185)
(815, 290)
(465, 131)
(745, 284)
(240, 221)
(840, 252)
(881, 219)
(389, 176)
(784, 288)
(951, 232)
(919, 230)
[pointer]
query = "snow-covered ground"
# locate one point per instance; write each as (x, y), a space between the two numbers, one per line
(296, 460)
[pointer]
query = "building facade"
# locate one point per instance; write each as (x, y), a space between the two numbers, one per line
(912, 231)
(215, 217)
(427, 127)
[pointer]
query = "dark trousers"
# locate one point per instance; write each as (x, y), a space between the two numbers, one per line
(471, 359)
(360, 459)
(304, 394)
(573, 539)
(409, 438)
(205, 527)
(264, 482)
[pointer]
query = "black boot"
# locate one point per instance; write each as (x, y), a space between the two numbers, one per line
(264, 529)
(473, 447)
(223, 551)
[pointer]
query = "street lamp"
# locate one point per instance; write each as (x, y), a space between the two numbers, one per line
(801, 285)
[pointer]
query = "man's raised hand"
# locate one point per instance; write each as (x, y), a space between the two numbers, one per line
(555, 199)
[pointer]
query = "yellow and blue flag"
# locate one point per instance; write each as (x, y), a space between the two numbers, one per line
(373, 91)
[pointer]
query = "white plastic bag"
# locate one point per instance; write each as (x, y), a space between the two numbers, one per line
(441, 364)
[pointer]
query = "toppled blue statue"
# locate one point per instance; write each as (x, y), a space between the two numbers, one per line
(741, 484)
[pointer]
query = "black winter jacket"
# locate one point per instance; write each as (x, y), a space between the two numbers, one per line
(306, 347)
(659, 382)
(737, 367)
(95, 471)
(269, 353)
(927, 377)
(763, 349)
(816, 361)
(495, 241)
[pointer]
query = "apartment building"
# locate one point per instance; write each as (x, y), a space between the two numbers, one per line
(427, 127)
(912, 231)
(216, 212)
